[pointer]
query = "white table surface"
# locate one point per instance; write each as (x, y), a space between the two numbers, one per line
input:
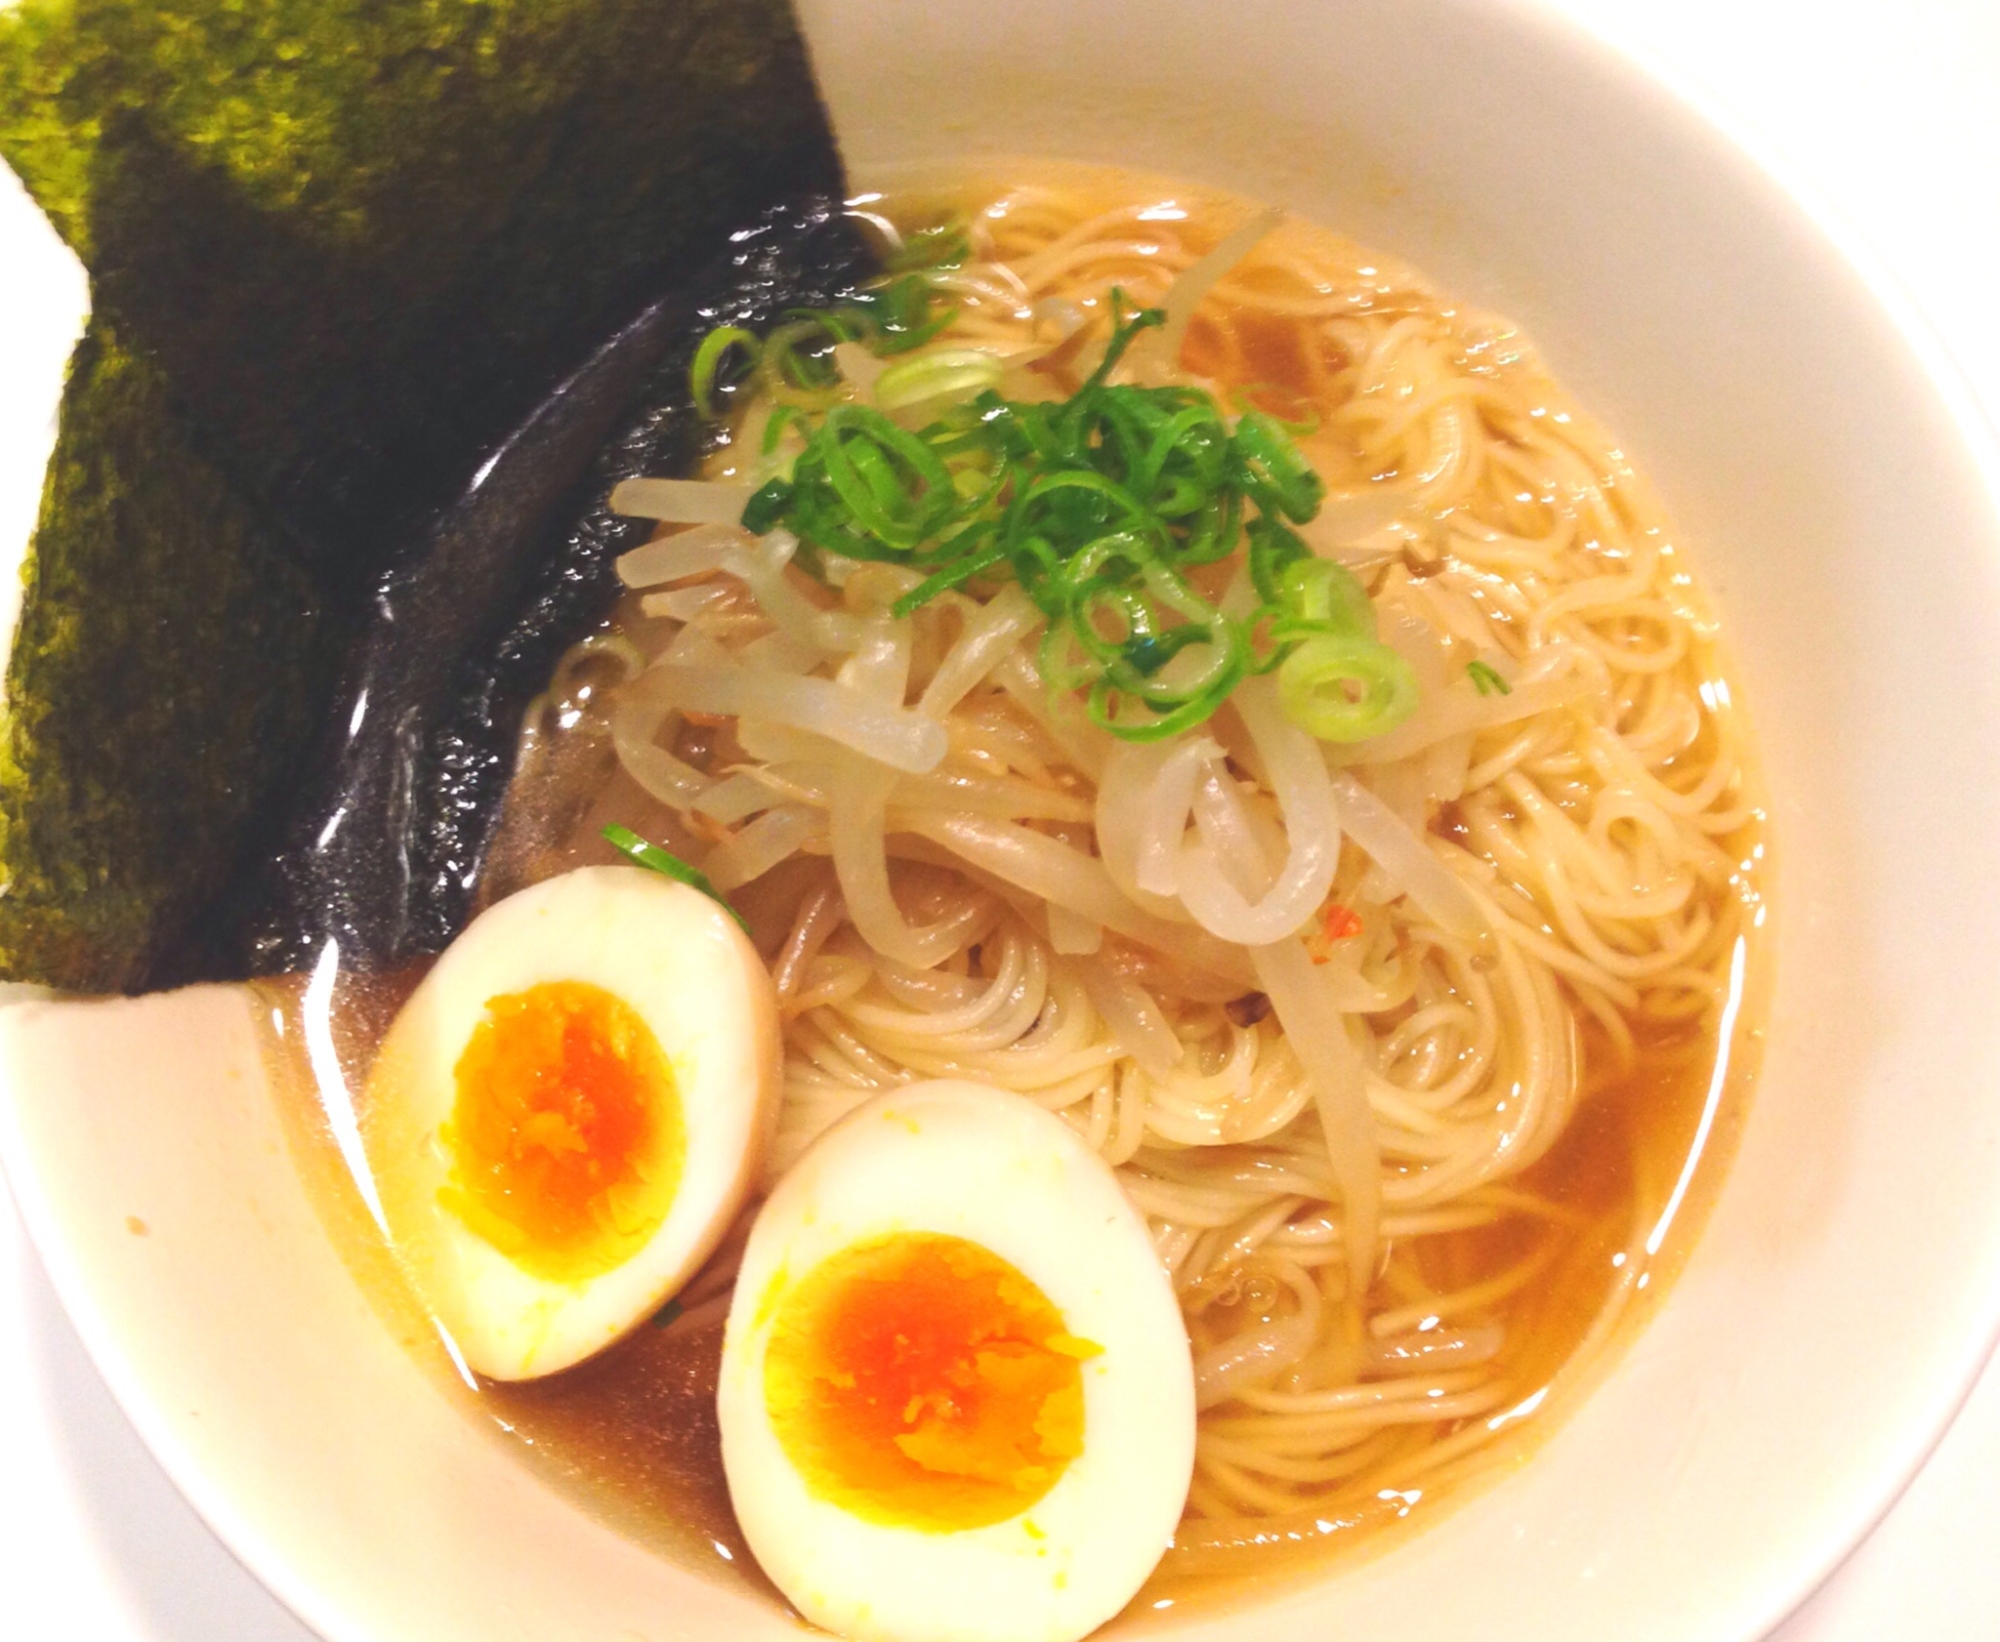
(1891, 112)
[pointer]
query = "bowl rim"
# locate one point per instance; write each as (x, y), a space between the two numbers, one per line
(248, 1546)
(1761, 1605)
(1948, 377)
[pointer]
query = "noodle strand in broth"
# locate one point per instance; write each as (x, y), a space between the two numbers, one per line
(1524, 910)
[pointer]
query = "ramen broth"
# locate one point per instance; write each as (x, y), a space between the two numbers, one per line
(631, 1434)
(1571, 1255)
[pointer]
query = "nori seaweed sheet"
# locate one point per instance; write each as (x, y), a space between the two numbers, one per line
(163, 677)
(362, 238)
(339, 252)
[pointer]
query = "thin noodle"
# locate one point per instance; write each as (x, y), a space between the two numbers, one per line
(1583, 834)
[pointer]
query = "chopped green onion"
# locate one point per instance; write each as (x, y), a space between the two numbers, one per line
(957, 373)
(1101, 506)
(668, 865)
(890, 485)
(1346, 687)
(899, 310)
(943, 245)
(839, 325)
(707, 364)
(1321, 594)
(782, 417)
(975, 563)
(807, 379)
(766, 508)
(1486, 681)
(668, 1314)
(1277, 477)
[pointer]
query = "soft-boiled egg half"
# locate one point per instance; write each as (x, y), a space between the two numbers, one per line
(568, 1111)
(957, 1402)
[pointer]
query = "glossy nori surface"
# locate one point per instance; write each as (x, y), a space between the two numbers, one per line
(384, 848)
(348, 249)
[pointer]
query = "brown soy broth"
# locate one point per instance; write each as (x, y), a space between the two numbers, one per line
(1618, 1144)
(637, 1426)
(1269, 358)
(632, 1433)
(632, 1436)
(1612, 1172)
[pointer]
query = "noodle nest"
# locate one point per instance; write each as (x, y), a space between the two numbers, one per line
(1326, 1079)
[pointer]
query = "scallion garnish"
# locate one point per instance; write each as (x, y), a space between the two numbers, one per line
(942, 245)
(1486, 681)
(704, 375)
(1101, 506)
(960, 373)
(669, 865)
(1346, 687)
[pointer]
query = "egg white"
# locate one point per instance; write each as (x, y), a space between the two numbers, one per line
(968, 1161)
(685, 967)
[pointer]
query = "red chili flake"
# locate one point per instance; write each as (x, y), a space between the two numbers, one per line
(1342, 922)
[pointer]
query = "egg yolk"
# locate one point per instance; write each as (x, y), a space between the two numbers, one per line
(921, 1381)
(565, 1136)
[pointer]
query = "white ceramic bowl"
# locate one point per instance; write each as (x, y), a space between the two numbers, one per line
(1843, 509)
